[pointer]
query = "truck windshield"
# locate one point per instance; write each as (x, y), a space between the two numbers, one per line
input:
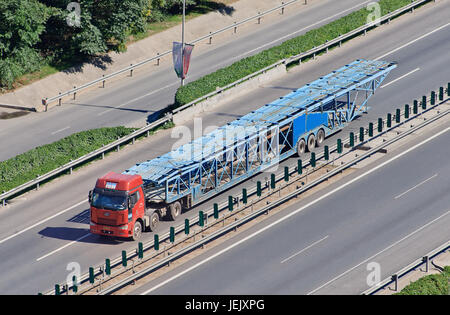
(109, 202)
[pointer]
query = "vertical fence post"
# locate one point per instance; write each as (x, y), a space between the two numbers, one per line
(424, 102)
(361, 134)
(339, 146)
(156, 242)
(201, 219)
(216, 211)
(352, 139)
(186, 226)
(272, 181)
(140, 250)
(415, 107)
(406, 111)
(286, 173)
(172, 234)
(108, 266)
(370, 129)
(313, 159)
(244, 195)
(299, 167)
(389, 120)
(91, 275)
(258, 189)
(326, 153)
(380, 124)
(124, 258)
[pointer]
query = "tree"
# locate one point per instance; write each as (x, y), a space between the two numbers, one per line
(23, 21)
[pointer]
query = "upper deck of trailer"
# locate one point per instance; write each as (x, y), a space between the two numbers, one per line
(309, 97)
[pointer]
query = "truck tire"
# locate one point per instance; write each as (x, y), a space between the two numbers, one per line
(137, 230)
(301, 146)
(320, 137)
(174, 210)
(154, 220)
(311, 142)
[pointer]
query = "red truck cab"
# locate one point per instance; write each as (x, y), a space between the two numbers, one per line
(117, 206)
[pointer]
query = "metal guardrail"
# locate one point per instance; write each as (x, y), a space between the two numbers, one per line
(404, 271)
(279, 178)
(64, 168)
(48, 100)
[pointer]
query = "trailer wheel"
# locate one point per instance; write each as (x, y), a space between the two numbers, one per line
(174, 210)
(137, 230)
(154, 220)
(301, 146)
(311, 142)
(320, 137)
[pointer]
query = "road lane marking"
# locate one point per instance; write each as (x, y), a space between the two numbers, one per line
(419, 184)
(292, 213)
(301, 30)
(57, 131)
(413, 41)
(399, 78)
(138, 98)
(40, 222)
(380, 252)
(304, 249)
(62, 247)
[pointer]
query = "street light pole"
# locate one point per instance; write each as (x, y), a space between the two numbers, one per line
(182, 42)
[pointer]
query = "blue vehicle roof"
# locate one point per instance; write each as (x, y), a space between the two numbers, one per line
(309, 97)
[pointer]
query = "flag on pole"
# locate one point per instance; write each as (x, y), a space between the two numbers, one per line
(181, 66)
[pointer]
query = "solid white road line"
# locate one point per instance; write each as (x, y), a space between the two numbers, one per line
(413, 41)
(399, 78)
(138, 98)
(292, 214)
(419, 184)
(304, 249)
(55, 132)
(40, 222)
(380, 252)
(62, 247)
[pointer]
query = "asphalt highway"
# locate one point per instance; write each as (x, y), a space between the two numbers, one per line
(132, 101)
(42, 232)
(326, 243)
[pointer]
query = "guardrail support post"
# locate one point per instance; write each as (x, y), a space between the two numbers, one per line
(108, 266)
(124, 258)
(216, 211)
(286, 173)
(131, 70)
(91, 275)
(172, 234)
(352, 140)
(140, 250)
(157, 60)
(395, 279)
(156, 242)
(258, 189)
(210, 38)
(259, 18)
(201, 219)
(299, 167)
(380, 124)
(426, 260)
(282, 8)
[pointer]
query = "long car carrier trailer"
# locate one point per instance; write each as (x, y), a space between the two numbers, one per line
(124, 205)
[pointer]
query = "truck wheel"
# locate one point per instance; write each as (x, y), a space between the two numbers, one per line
(154, 220)
(137, 230)
(311, 142)
(174, 210)
(320, 137)
(301, 146)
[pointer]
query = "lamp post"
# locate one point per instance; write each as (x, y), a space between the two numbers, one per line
(182, 41)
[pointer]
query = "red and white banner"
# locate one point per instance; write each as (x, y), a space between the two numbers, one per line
(181, 61)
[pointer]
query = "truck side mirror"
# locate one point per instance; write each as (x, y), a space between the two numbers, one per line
(90, 196)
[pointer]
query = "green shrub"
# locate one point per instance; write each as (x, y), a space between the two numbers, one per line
(292, 47)
(41, 160)
(437, 284)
